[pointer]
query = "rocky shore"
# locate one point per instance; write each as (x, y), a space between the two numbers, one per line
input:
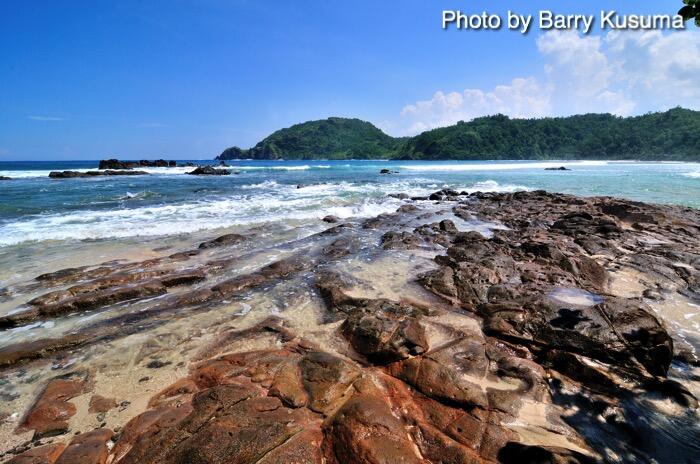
(526, 327)
(117, 164)
(109, 172)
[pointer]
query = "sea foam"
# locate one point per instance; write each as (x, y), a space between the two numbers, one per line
(263, 202)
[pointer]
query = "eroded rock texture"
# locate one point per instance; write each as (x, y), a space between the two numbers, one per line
(532, 355)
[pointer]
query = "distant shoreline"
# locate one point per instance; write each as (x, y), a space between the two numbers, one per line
(670, 135)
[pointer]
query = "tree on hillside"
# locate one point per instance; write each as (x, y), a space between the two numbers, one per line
(691, 10)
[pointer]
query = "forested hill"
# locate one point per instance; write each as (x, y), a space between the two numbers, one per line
(332, 138)
(670, 135)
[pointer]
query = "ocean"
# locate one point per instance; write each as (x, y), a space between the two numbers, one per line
(37, 209)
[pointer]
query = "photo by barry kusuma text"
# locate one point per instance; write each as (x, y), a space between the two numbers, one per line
(546, 20)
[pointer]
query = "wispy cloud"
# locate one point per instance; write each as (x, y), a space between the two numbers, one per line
(44, 118)
(152, 125)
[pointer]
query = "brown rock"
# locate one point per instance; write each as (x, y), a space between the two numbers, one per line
(288, 387)
(47, 454)
(101, 404)
(224, 240)
(326, 379)
(87, 448)
(365, 431)
(385, 336)
(13, 354)
(50, 413)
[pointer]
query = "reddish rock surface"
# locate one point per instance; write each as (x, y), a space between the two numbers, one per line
(523, 354)
(50, 413)
(101, 404)
(47, 454)
(87, 448)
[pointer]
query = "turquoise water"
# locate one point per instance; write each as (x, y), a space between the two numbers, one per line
(35, 208)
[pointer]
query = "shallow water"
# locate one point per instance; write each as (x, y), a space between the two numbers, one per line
(35, 208)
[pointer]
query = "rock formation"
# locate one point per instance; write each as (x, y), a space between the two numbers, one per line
(523, 349)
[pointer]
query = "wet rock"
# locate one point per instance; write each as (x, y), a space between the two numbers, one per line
(157, 364)
(23, 351)
(51, 411)
(560, 168)
(302, 448)
(342, 247)
(276, 270)
(381, 221)
(330, 219)
(400, 241)
(47, 454)
(448, 226)
(61, 274)
(407, 209)
(182, 278)
(326, 379)
(224, 240)
(332, 287)
(112, 282)
(117, 164)
(439, 378)
(440, 281)
(386, 335)
(80, 174)
(642, 333)
(87, 448)
(444, 195)
(5, 178)
(209, 171)
(182, 389)
(365, 431)
(288, 387)
(84, 301)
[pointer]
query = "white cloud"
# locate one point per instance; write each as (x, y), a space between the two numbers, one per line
(521, 98)
(663, 68)
(581, 74)
(623, 72)
(44, 118)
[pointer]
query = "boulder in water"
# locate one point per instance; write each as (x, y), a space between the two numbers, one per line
(209, 171)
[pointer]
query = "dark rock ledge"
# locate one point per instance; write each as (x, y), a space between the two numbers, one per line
(117, 164)
(532, 358)
(74, 174)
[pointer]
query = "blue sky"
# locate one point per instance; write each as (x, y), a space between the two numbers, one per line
(186, 79)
